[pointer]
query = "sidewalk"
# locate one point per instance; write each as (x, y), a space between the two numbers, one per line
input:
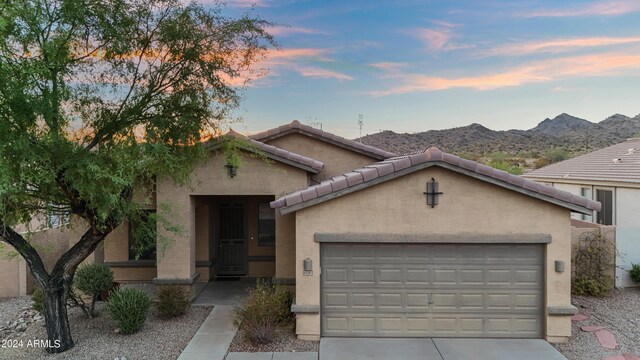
(214, 336)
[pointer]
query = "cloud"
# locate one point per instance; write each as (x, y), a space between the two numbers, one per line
(557, 45)
(388, 66)
(439, 38)
(613, 64)
(291, 30)
(309, 71)
(246, 3)
(602, 8)
(295, 53)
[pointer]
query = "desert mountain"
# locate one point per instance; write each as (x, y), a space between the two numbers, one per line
(563, 131)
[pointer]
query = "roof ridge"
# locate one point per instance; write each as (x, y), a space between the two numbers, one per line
(387, 169)
(296, 125)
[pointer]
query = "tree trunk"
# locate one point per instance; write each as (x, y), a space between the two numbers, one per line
(54, 299)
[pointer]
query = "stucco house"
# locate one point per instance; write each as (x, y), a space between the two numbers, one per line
(421, 245)
(612, 177)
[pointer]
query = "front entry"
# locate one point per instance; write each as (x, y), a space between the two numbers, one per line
(232, 240)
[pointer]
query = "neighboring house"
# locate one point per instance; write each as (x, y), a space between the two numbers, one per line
(421, 245)
(612, 177)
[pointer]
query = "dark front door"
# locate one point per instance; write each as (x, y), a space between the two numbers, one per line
(232, 242)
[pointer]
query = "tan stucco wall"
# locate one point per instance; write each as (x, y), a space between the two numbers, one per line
(337, 160)
(467, 206)
(178, 204)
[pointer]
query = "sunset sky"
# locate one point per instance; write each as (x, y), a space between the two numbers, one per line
(416, 65)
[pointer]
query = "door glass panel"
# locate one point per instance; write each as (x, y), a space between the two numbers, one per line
(605, 215)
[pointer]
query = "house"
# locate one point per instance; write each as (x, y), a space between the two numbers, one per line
(421, 245)
(612, 177)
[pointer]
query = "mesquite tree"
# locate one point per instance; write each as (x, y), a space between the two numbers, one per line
(98, 95)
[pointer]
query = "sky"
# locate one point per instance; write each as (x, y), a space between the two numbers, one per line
(418, 65)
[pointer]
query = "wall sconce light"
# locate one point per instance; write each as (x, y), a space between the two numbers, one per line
(307, 267)
(232, 170)
(559, 266)
(432, 193)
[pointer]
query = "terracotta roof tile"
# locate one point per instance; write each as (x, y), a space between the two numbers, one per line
(296, 126)
(616, 163)
(389, 167)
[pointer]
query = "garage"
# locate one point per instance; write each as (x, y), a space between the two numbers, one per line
(432, 290)
(432, 245)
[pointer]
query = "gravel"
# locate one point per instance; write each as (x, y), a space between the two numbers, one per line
(286, 341)
(10, 307)
(618, 313)
(96, 338)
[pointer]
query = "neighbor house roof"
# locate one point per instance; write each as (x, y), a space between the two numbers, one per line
(297, 127)
(402, 165)
(617, 163)
(271, 152)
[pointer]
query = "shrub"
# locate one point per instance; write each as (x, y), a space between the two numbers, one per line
(36, 297)
(591, 263)
(267, 308)
(129, 307)
(635, 273)
(93, 279)
(173, 301)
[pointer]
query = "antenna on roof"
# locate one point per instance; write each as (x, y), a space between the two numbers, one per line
(360, 123)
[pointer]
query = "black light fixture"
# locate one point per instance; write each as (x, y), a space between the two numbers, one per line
(432, 193)
(232, 170)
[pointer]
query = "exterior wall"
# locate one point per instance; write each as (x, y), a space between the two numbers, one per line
(580, 229)
(13, 281)
(178, 204)
(627, 215)
(337, 160)
(468, 206)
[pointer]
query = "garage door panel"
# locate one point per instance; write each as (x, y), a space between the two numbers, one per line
(432, 290)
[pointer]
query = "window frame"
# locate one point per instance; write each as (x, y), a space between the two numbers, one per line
(585, 217)
(261, 242)
(613, 203)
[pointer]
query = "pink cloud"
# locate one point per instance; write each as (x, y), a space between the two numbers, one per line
(435, 39)
(605, 8)
(294, 53)
(558, 45)
(322, 73)
(613, 64)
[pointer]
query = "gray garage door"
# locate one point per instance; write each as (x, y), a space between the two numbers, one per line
(432, 290)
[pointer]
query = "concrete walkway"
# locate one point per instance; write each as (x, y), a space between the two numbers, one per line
(224, 291)
(436, 349)
(273, 356)
(214, 336)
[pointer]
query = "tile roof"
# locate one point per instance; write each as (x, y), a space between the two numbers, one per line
(617, 163)
(272, 152)
(401, 165)
(297, 127)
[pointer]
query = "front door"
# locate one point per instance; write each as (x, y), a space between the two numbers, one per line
(232, 242)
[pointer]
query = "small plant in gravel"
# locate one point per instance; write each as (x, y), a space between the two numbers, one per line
(173, 301)
(93, 279)
(635, 273)
(129, 307)
(266, 309)
(36, 297)
(591, 263)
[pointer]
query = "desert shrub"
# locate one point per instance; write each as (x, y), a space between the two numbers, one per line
(267, 308)
(93, 279)
(506, 166)
(173, 301)
(129, 307)
(541, 162)
(635, 273)
(556, 155)
(591, 263)
(36, 297)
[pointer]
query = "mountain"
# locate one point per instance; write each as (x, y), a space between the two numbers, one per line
(563, 131)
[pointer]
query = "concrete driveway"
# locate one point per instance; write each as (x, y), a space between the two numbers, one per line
(436, 349)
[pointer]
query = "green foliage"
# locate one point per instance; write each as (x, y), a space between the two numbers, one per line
(556, 155)
(129, 307)
(592, 261)
(173, 301)
(589, 286)
(36, 297)
(267, 308)
(143, 231)
(635, 273)
(93, 279)
(506, 166)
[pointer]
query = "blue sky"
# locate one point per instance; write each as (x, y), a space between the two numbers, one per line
(411, 66)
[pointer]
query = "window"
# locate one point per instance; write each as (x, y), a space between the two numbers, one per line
(266, 225)
(605, 215)
(57, 216)
(142, 236)
(588, 193)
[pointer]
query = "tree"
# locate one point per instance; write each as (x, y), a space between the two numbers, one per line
(97, 96)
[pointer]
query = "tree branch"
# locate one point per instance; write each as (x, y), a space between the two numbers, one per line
(27, 251)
